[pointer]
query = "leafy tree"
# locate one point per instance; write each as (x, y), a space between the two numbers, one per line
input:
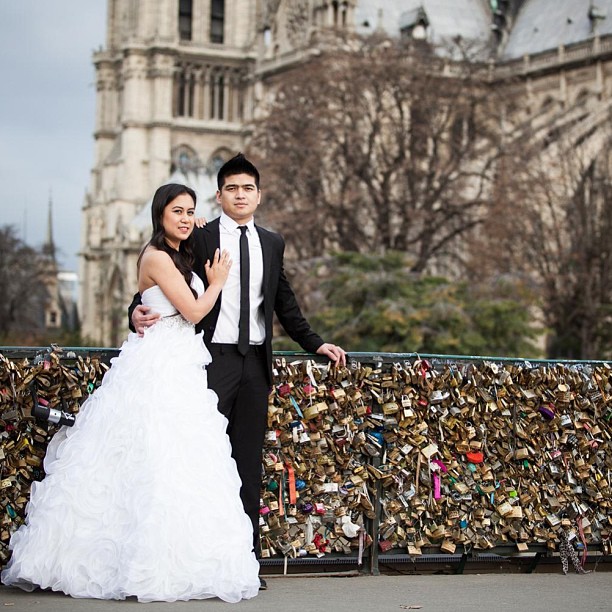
(374, 303)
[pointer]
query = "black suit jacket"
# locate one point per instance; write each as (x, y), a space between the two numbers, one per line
(278, 296)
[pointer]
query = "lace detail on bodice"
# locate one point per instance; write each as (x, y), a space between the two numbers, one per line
(154, 298)
(175, 321)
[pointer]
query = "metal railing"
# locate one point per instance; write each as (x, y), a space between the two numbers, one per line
(407, 458)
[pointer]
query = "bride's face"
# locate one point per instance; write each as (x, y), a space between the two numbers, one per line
(178, 219)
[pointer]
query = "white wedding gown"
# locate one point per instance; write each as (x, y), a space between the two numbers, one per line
(141, 495)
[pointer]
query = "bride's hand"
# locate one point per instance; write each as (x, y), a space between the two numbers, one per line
(200, 221)
(217, 272)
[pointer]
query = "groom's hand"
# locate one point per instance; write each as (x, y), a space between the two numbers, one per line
(143, 318)
(335, 353)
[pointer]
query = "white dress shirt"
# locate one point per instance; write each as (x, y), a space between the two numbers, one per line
(226, 331)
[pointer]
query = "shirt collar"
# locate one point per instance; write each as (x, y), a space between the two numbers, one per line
(231, 226)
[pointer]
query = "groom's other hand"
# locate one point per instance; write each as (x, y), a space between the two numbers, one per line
(335, 353)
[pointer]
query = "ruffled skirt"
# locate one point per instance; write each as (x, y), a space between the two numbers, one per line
(141, 495)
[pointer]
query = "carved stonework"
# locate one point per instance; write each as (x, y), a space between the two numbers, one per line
(297, 21)
(269, 12)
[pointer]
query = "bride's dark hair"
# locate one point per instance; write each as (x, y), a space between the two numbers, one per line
(183, 258)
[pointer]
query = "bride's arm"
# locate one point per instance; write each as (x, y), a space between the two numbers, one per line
(158, 269)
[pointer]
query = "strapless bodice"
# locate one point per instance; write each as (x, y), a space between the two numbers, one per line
(154, 297)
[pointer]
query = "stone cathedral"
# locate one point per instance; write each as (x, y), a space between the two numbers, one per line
(180, 81)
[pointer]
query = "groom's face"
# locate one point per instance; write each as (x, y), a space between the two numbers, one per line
(239, 197)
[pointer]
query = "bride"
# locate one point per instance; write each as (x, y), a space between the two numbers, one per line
(141, 496)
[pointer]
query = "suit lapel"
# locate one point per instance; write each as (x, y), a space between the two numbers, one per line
(266, 254)
(213, 241)
(209, 242)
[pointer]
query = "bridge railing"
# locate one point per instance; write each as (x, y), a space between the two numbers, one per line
(396, 457)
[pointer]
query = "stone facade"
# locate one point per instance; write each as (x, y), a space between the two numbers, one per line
(179, 83)
(166, 98)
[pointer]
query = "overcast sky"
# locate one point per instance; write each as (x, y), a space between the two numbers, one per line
(47, 116)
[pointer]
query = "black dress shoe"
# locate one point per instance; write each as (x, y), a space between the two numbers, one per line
(263, 585)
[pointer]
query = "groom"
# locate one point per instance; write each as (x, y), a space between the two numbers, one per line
(238, 330)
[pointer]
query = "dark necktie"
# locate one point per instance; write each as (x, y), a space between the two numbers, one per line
(243, 323)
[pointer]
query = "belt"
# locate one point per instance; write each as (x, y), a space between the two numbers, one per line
(217, 347)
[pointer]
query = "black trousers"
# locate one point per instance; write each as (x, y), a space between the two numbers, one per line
(241, 382)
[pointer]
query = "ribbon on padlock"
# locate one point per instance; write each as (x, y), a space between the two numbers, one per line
(291, 483)
(436, 486)
(296, 406)
(310, 373)
(281, 497)
(440, 464)
(362, 537)
(583, 540)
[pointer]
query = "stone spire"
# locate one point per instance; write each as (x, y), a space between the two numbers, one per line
(49, 246)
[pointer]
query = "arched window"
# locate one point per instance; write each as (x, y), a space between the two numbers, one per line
(217, 96)
(217, 159)
(185, 159)
(339, 13)
(185, 93)
(185, 19)
(217, 20)
(204, 91)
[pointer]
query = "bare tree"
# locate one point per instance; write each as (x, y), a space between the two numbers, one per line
(552, 225)
(386, 145)
(23, 293)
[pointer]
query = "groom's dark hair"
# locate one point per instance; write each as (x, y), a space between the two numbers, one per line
(239, 164)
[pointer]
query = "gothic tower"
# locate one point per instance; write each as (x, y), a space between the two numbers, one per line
(172, 93)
